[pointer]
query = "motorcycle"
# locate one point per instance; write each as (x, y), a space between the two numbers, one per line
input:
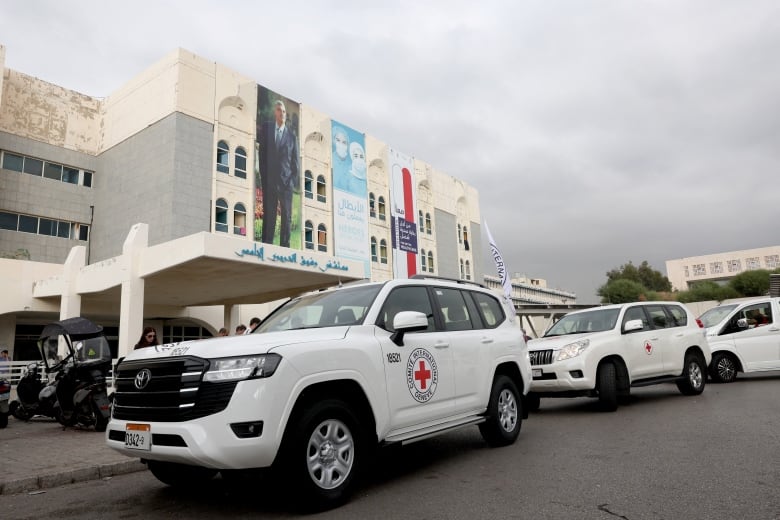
(5, 395)
(36, 397)
(81, 381)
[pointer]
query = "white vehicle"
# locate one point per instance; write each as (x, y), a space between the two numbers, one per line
(323, 379)
(744, 337)
(603, 352)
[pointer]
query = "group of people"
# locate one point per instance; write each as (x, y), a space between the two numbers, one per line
(149, 335)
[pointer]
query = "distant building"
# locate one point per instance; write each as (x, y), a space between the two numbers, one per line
(532, 290)
(720, 267)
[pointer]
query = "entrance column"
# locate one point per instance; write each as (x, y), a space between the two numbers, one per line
(131, 313)
(70, 301)
(231, 318)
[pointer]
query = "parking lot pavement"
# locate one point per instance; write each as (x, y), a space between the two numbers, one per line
(41, 454)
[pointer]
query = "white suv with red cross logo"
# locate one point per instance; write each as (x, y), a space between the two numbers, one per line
(604, 351)
(323, 379)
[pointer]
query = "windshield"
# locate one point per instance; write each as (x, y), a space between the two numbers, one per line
(714, 316)
(325, 309)
(581, 322)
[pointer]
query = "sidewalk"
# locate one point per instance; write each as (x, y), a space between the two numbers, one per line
(39, 454)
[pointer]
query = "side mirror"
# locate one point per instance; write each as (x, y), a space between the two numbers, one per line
(633, 326)
(742, 323)
(407, 321)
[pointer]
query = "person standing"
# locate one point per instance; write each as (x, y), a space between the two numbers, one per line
(222, 332)
(241, 330)
(253, 324)
(280, 175)
(148, 338)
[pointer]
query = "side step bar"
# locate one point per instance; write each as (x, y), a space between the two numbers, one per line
(426, 433)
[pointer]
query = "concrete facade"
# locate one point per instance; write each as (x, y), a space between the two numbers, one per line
(720, 267)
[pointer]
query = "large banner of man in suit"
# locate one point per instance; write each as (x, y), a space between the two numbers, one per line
(277, 171)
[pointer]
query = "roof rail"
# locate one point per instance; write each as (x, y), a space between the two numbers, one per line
(446, 279)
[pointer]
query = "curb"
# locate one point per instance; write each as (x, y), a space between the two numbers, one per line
(61, 478)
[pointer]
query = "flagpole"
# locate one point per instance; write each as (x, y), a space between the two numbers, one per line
(503, 274)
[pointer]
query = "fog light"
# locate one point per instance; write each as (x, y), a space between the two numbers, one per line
(576, 374)
(247, 430)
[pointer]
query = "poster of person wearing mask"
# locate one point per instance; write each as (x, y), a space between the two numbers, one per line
(350, 194)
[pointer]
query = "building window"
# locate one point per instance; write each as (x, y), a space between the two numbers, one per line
(462, 268)
(381, 208)
(699, 270)
(460, 234)
(421, 221)
(221, 216)
(240, 164)
(308, 181)
(372, 205)
(468, 270)
(466, 237)
(13, 162)
(322, 238)
(374, 255)
(423, 258)
(87, 179)
(43, 226)
(46, 169)
(223, 157)
(752, 263)
(70, 175)
(687, 273)
(428, 226)
(734, 266)
(321, 193)
(430, 261)
(772, 261)
(239, 219)
(309, 234)
(383, 251)
(716, 267)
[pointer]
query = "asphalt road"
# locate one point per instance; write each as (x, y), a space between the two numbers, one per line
(715, 456)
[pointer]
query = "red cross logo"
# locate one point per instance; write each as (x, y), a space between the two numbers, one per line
(648, 347)
(422, 375)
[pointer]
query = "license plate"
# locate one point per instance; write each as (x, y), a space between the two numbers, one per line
(537, 372)
(138, 436)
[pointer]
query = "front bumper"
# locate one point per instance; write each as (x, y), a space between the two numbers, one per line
(572, 375)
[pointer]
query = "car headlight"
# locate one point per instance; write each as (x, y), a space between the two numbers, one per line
(572, 350)
(245, 367)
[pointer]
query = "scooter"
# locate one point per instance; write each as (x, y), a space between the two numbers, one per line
(36, 397)
(5, 395)
(81, 383)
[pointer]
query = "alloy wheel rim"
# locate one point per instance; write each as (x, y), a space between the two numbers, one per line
(507, 410)
(694, 374)
(330, 454)
(726, 369)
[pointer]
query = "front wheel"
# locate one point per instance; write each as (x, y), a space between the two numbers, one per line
(723, 368)
(693, 377)
(607, 381)
(504, 414)
(323, 453)
(180, 475)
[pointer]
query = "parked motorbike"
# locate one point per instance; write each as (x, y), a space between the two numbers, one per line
(81, 381)
(36, 397)
(5, 395)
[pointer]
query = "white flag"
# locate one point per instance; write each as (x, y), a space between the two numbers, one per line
(503, 275)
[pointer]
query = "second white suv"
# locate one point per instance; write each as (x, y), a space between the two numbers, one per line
(603, 352)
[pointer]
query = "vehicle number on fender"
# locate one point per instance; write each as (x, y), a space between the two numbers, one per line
(393, 357)
(138, 436)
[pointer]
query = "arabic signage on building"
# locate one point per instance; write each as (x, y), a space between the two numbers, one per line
(258, 252)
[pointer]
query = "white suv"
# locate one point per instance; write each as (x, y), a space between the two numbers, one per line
(744, 337)
(603, 352)
(323, 379)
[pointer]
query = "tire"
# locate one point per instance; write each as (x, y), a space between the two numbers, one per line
(607, 387)
(101, 423)
(723, 368)
(533, 402)
(322, 454)
(180, 475)
(694, 375)
(3, 420)
(19, 411)
(504, 414)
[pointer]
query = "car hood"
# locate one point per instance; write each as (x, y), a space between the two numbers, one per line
(240, 345)
(558, 342)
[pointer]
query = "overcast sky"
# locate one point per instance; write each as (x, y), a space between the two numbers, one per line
(596, 132)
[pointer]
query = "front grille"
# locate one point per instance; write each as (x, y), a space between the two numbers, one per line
(175, 391)
(541, 357)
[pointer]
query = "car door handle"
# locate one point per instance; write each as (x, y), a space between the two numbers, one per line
(680, 335)
(774, 329)
(654, 339)
(487, 340)
(441, 344)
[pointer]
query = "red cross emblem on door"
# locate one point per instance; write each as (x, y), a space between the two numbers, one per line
(648, 347)
(422, 375)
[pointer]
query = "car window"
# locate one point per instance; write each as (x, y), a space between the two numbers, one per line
(490, 308)
(453, 308)
(411, 298)
(714, 316)
(636, 313)
(757, 315)
(587, 321)
(658, 317)
(678, 314)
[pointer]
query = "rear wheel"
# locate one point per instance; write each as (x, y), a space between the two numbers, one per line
(694, 378)
(3, 419)
(723, 368)
(504, 414)
(180, 475)
(607, 381)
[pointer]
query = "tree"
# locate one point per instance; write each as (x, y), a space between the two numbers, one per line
(705, 291)
(645, 275)
(751, 283)
(622, 290)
